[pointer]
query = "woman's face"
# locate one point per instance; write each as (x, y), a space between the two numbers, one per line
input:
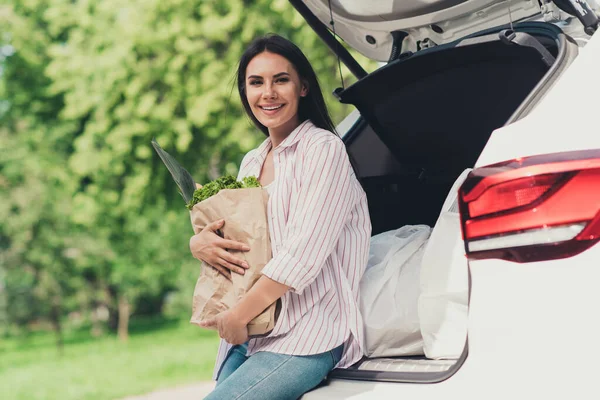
(273, 90)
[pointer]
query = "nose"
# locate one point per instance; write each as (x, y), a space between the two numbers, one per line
(269, 91)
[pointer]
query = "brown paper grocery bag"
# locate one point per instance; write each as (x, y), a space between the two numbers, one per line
(245, 215)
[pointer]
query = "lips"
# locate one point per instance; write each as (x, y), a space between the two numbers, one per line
(272, 107)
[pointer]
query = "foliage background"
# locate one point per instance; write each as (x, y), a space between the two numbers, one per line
(92, 229)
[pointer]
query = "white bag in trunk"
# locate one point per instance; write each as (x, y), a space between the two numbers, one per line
(389, 292)
(443, 303)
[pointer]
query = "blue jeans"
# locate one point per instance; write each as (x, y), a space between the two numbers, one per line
(271, 376)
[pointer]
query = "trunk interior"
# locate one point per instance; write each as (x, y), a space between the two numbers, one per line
(425, 119)
(429, 116)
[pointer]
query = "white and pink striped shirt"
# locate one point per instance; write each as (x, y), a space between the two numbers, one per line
(320, 233)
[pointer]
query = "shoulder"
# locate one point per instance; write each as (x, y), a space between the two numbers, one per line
(322, 149)
(251, 155)
(318, 139)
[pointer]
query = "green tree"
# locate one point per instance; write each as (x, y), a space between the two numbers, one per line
(88, 86)
(32, 181)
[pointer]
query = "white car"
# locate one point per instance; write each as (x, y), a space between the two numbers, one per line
(509, 88)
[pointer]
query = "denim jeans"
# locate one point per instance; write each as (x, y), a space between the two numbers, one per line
(271, 376)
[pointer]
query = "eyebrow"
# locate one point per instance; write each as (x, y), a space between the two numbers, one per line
(274, 76)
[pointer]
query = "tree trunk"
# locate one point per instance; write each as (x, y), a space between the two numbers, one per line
(97, 330)
(57, 327)
(113, 312)
(123, 329)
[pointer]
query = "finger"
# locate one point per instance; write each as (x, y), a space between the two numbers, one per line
(234, 260)
(213, 226)
(231, 267)
(233, 245)
(209, 323)
(222, 271)
(198, 186)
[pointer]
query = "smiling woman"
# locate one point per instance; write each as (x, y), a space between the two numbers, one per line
(319, 228)
(273, 89)
(273, 66)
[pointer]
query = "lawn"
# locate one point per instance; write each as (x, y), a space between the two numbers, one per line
(158, 354)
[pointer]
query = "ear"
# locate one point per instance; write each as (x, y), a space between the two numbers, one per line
(304, 90)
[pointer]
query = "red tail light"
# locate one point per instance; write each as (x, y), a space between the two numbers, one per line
(532, 209)
(512, 194)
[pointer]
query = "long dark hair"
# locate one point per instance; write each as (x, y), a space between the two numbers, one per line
(312, 106)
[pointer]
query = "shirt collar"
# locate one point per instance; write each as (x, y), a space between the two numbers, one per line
(290, 140)
(296, 134)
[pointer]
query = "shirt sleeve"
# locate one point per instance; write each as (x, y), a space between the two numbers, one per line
(326, 197)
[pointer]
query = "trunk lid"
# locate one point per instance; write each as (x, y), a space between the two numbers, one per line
(379, 29)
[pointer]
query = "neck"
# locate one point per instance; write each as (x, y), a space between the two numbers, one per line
(278, 134)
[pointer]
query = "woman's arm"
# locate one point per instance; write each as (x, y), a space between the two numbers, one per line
(209, 247)
(262, 294)
(232, 324)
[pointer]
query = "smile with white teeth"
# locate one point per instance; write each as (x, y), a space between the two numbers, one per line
(271, 108)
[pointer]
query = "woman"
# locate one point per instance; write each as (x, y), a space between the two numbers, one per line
(319, 229)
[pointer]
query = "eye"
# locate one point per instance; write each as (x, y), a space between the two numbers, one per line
(255, 82)
(283, 79)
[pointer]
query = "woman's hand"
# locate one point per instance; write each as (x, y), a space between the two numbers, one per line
(231, 328)
(209, 247)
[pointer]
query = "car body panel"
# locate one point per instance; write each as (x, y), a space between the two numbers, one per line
(566, 119)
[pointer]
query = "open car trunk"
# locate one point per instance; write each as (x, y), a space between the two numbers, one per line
(427, 117)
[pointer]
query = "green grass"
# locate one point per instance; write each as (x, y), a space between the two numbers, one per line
(158, 354)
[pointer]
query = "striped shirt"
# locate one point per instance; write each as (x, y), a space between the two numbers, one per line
(320, 232)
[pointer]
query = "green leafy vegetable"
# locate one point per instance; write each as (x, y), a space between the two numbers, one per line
(224, 182)
(250, 182)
